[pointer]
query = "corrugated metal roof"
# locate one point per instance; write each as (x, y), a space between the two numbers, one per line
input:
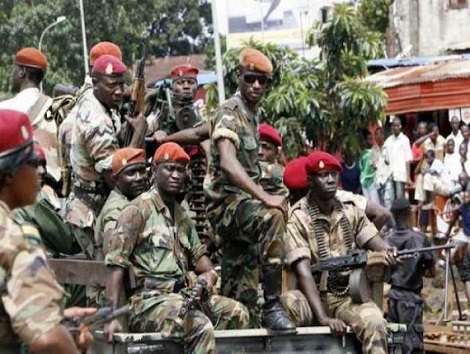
(414, 61)
(403, 76)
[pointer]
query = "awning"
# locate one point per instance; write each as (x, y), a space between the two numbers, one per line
(425, 88)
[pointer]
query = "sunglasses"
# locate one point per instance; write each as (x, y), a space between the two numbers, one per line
(250, 78)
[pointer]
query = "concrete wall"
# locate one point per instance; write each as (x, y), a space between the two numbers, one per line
(430, 26)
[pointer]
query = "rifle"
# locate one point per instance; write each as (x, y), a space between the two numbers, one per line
(102, 316)
(194, 297)
(358, 259)
(137, 95)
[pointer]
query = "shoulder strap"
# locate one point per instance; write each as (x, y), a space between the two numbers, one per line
(37, 107)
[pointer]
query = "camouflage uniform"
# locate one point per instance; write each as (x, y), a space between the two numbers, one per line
(94, 141)
(31, 298)
(366, 319)
(240, 220)
(271, 179)
(66, 127)
(161, 249)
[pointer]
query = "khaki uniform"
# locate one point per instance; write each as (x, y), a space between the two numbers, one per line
(365, 319)
(238, 219)
(30, 296)
(161, 249)
(94, 141)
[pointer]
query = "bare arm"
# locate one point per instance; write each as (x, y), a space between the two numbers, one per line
(114, 285)
(421, 140)
(205, 268)
(377, 214)
(56, 341)
(308, 287)
(235, 171)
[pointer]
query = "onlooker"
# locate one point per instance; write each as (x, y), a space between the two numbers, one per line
(367, 168)
(456, 134)
(398, 151)
(435, 142)
(463, 152)
(380, 162)
(350, 175)
(452, 160)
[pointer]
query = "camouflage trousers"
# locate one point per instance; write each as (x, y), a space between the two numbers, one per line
(251, 235)
(366, 320)
(159, 313)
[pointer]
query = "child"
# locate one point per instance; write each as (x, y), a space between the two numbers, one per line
(405, 302)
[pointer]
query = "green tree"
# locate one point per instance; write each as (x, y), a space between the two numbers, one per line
(374, 14)
(178, 30)
(326, 102)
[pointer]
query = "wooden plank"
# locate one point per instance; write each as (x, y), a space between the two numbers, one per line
(81, 272)
(445, 348)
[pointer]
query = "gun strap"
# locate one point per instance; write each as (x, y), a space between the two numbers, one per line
(334, 278)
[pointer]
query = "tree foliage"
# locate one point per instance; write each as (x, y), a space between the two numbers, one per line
(180, 28)
(374, 14)
(324, 101)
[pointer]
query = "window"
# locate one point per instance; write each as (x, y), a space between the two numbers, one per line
(457, 4)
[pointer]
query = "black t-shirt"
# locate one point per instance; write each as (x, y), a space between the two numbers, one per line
(409, 275)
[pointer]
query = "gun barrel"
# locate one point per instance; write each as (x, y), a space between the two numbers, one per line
(424, 249)
(106, 315)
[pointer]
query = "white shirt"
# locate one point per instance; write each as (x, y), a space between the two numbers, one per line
(23, 101)
(45, 133)
(382, 170)
(458, 139)
(453, 165)
(398, 152)
(441, 171)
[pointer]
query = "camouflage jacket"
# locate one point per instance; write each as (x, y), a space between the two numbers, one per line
(31, 297)
(300, 239)
(235, 121)
(94, 141)
(108, 217)
(271, 179)
(160, 248)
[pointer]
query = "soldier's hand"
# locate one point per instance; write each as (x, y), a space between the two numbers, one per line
(138, 123)
(337, 327)
(110, 329)
(391, 256)
(159, 136)
(85, 338)
(275, 202)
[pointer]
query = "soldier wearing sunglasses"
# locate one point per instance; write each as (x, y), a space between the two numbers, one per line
(241, 212)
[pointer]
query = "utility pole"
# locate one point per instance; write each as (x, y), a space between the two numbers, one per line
(218, 54)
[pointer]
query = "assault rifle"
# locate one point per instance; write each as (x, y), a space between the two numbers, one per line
(102, 316)
(194, 297)
(358, 259)
(137, 95)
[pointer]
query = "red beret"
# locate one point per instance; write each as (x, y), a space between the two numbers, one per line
(109, 65)
(170, 152)
(40, 152)
(268, 133)
(295, 175)
(15, 130)
(254, 60)
(184, 71)
(320, 161)
(102, 48)
(31, 57)
(125, 157)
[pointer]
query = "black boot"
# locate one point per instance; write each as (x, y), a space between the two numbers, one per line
(274, 317)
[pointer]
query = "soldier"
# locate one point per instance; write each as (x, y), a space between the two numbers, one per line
(29, 67)
(30, 307)
(320, 226)
(405, 304)
(180, 112)
(155, 236)
(65, 128)
(295, 179)
(240, 211)
(270, 146)
(94, 141)
(130, 175)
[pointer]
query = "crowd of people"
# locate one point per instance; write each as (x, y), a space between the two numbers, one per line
(127, 208)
